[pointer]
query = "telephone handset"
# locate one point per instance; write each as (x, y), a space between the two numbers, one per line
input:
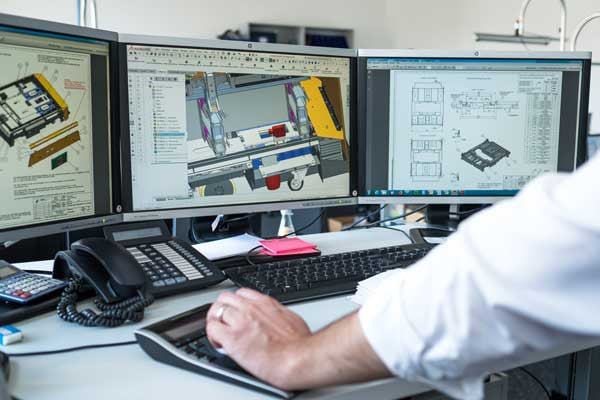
(112, 272)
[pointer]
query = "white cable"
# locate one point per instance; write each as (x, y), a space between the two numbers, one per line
(563, 22)
(81, 4)
(580, 27)
(93, 14)
(88, 13)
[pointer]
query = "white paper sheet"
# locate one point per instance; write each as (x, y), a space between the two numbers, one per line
(235, 246)
(367, 287)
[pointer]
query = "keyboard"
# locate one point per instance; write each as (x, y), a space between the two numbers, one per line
(291, 281)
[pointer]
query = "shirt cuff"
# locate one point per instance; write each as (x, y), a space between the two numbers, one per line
(387, 327)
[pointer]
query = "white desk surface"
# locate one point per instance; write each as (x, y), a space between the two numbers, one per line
(128, 373)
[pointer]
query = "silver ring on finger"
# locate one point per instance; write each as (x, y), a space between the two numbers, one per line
(220, 313)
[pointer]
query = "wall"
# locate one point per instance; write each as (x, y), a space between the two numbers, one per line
(451, 24)
(207, 19)
(426, 24)
(214, 17)
(447, 24)
(54, 10)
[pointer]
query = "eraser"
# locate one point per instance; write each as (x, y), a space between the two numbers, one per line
(9, 334)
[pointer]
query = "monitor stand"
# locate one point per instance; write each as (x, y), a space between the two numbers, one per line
(444, 220)
(201, 228)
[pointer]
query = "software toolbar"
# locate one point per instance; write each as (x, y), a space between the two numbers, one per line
(231, 61)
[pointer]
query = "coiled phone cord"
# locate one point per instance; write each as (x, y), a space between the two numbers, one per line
(111, 315)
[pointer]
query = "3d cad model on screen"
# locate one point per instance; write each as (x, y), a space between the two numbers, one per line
(27, 106)
(485, 155)
(295, 130)
(45, 130)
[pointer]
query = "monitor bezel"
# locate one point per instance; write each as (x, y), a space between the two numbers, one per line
(198, 211)
(98, 220)
(365, 54)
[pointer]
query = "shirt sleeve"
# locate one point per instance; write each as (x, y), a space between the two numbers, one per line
(514, 281)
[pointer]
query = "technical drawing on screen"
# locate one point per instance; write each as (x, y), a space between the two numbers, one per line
(212, 127)
(45, 126)
(469, 127)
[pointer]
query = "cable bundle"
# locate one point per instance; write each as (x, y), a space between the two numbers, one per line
(111, 315)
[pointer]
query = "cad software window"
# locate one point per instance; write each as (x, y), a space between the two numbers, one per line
(468, 127)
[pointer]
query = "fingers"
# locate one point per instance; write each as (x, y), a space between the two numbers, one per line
(271, 312)
(251, 294)
(229, 301)
(237, 310)
(257, 297)
(232, 316)
(233, 300)
(218, 334)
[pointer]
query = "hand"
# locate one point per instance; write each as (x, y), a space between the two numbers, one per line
(260, 334)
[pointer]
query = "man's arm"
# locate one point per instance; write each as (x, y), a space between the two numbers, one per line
(275, 344)
(516, 280)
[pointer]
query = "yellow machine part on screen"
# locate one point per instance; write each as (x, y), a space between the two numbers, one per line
(318, 112)
(62, 104)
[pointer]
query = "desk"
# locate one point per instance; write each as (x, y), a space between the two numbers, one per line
(128, 373)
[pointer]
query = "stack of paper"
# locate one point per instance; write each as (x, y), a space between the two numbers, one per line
(224, 248)
(368, 287)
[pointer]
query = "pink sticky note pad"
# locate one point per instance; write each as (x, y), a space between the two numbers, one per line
(287, 245)
(265, 252)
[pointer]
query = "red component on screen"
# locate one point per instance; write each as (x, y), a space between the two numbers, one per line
(278, 130)
(273, 182)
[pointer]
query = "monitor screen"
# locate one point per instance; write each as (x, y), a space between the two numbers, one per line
(467, 129)
(212, 127)
(54, 128)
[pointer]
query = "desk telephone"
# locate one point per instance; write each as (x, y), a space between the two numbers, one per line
(128, 268)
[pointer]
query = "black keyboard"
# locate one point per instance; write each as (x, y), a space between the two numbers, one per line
(310, 278)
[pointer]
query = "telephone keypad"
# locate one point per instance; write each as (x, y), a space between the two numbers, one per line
(169, 263)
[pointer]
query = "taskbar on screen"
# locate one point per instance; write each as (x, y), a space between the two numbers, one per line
(441, 193)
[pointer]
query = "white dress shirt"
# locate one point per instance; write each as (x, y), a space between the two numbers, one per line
(518, 279)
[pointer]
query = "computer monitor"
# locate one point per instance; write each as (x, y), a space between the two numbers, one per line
(467, 127)
(55, 128)
(216, 127)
